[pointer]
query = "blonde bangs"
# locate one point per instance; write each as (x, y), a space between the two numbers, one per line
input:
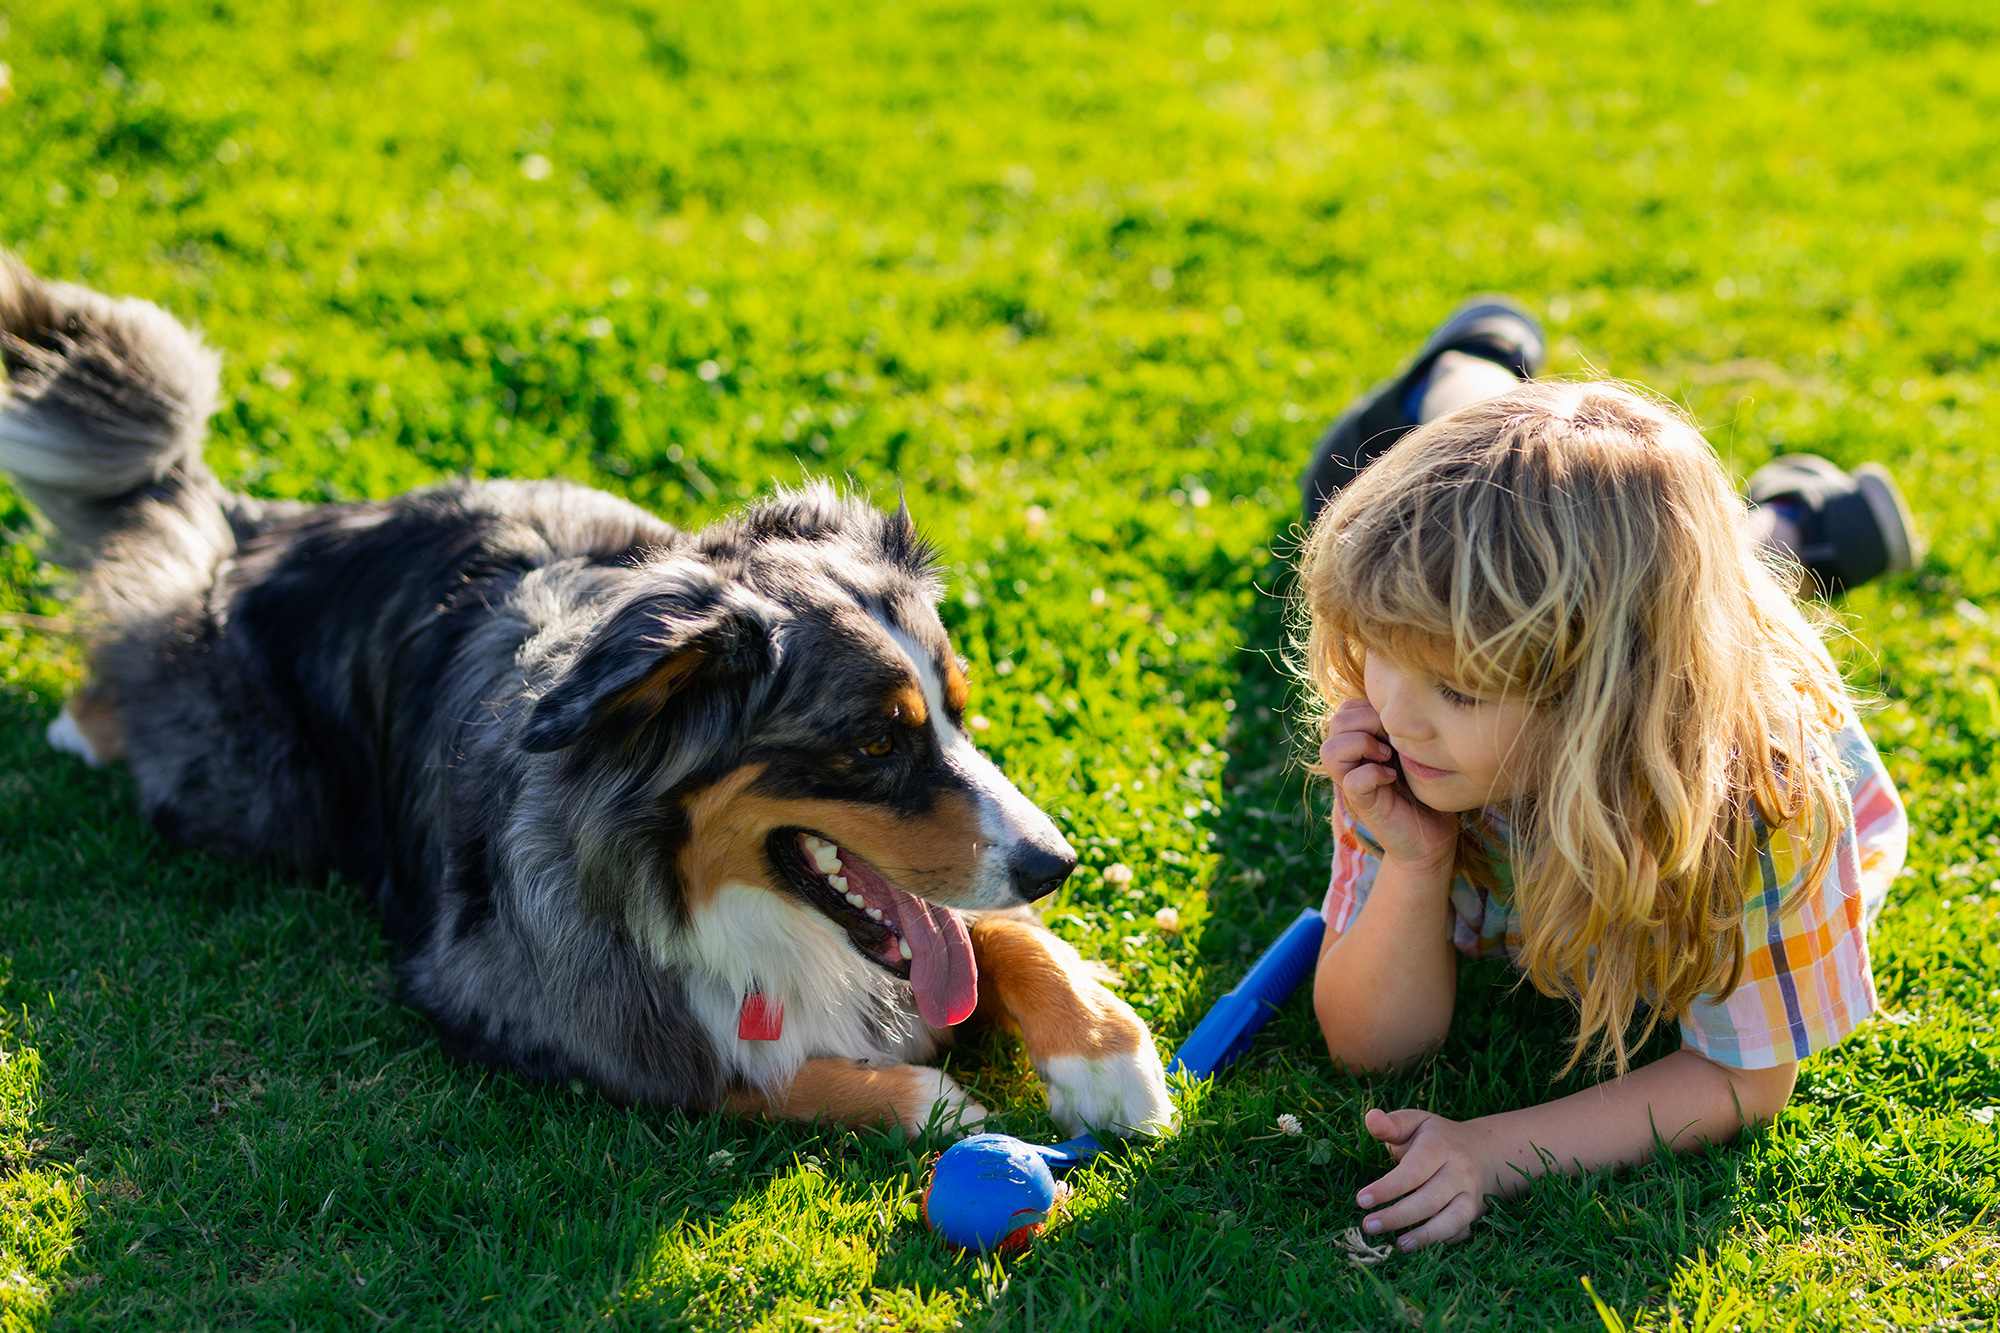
(1578, 546)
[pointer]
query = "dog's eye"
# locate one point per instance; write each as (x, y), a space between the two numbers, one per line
(880, 746)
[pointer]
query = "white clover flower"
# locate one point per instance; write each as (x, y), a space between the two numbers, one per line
(1168, 920)
(1119, 874)
(1289, 1126)
(720, 1158)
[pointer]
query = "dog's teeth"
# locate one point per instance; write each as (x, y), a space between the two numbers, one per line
(857, 900)
(813, 845)
(904, 945)
(839, 883)
(875, 912)
(827, 857)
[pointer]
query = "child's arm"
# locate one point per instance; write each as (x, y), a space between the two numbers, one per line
(1446, 1168)
(1384, 989)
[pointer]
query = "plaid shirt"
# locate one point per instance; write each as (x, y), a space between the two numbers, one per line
(1805, 980)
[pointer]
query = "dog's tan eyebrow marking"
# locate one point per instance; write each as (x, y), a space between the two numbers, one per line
(909, 705)
(956, 691)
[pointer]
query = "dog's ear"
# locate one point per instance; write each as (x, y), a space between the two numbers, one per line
(649, 651)
(903, 544)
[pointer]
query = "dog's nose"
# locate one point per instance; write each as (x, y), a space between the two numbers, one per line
(1039, 871)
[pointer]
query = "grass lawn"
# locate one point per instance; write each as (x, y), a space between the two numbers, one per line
(1083, 278)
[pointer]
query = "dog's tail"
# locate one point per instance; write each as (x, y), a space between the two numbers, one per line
(106, 406)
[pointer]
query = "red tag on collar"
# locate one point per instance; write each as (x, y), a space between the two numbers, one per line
(761, 1019)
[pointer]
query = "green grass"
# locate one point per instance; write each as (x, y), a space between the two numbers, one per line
(1082, 278)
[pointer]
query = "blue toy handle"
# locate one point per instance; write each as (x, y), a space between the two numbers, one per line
(1225, 1032)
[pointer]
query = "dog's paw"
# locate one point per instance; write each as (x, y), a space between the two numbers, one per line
(1124, 1093)
(935, 1101)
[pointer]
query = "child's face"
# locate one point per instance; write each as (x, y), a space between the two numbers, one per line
(1458, 753)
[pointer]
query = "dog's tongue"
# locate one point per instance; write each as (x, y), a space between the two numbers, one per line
(942, 970)
(941, 967)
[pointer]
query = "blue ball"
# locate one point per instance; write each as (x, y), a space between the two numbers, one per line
(991, 1191)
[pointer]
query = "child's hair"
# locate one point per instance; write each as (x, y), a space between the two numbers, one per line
(1577, 546)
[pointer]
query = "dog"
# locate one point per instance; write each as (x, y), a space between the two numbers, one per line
(690, 816)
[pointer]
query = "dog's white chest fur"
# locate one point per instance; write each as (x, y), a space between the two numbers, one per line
(836, 1003)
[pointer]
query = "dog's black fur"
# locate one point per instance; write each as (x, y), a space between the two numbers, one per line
(497, 706)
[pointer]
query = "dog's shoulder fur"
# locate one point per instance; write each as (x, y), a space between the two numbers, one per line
(606, 780)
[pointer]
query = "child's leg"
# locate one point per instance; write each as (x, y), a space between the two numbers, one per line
(1460, 379)
(1497, 345)
(1774, 528)
(1843, 528)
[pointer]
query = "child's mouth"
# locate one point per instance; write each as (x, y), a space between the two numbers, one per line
(1411, 768)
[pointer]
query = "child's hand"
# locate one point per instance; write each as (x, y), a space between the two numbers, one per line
(1357, 756)
(1441, 1179)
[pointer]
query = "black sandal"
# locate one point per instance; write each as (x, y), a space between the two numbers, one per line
(1853, 527)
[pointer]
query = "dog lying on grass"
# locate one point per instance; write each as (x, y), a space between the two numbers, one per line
(690, 816)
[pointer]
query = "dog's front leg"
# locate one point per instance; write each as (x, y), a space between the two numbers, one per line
(1095, 1057)
(854, 1092)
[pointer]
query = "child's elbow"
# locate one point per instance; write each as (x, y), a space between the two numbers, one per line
(1773, 1091)
(1358, 1048)
(1343, 1043)
(1760, 1094)
(1366, 1036)
(1344, 1051)
(1346, 1041)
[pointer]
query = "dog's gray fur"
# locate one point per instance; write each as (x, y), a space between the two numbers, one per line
(430, 695)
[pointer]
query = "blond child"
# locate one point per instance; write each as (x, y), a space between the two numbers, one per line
(1574, 719)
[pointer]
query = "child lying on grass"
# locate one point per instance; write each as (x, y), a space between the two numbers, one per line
(1574, 720)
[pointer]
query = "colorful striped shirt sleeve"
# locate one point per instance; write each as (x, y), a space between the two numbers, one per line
(1483, 924)
(1806, 982)
(1356, 859)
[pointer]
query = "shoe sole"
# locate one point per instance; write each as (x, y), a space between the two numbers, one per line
(1892, 516)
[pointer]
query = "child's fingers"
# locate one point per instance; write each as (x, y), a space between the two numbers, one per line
(1356, 715)
(1450, 1224)
(1365, 785)
(1397, 1131)
(1345, 749)
(1419, 1206)
(1393, 1127)
(1407, 1180)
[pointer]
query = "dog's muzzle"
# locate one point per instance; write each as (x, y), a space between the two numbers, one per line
(1038, 871)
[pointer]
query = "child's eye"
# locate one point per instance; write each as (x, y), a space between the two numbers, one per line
(1455, 698)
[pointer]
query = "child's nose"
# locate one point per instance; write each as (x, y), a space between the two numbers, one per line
(1401, 716)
